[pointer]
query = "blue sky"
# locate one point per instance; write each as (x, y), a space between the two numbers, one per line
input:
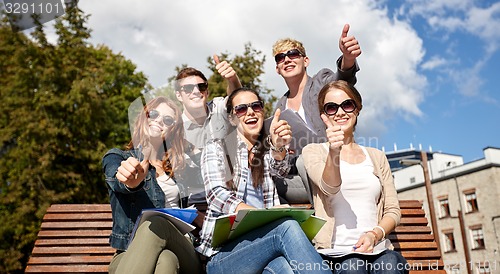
(430, 69)
(461, 103)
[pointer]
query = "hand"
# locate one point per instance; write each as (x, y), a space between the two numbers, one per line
(349, 47)
(365, 243)
(280, 131)
(132, 172)
(227, 72)
(224, 68)
(335, 134)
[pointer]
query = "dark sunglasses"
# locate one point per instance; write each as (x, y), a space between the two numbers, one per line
(242, 109)
(188, 88)
(167, 120)
(331, 108)
(292, 54)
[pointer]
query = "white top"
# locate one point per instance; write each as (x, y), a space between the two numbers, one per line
(355, 205)
(170, 189)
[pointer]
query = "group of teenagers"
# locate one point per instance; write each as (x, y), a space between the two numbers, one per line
(226, 146)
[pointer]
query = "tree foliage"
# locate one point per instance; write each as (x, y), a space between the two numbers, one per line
(249, 66)
(63, 106)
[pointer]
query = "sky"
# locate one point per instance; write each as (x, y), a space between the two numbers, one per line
(430, 69)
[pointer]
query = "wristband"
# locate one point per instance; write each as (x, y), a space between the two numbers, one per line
(273, 148)
(381, 229)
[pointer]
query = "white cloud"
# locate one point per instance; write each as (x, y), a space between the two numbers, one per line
(158, 35)
(434, 62)
(456, 21)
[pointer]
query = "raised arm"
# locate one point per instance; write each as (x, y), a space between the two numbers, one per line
(280, 136)
(350, 49)
(227, 72)
(331, 172)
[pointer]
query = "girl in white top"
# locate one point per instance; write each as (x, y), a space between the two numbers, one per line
(343, 172)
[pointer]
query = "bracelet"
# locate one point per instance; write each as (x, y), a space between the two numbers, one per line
(273, 148)
(381, 229)
(374, 234)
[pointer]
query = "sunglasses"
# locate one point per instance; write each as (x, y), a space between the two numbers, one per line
(167, 120)
(202, 87)
(292, 54)
(331, 108)
(242, 109)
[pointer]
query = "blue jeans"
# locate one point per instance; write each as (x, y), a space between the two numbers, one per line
(278, 247)
(387, 262)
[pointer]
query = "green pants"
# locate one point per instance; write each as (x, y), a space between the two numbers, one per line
(158, 247)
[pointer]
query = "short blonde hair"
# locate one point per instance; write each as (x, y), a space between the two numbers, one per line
(286, 44)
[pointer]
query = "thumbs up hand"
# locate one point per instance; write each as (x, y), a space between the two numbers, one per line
(227, 72)
(349, 46)
(224, 68)
(335, 134)
(280, 131)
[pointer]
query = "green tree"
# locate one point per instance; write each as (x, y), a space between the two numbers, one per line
(63, 106)
(249, 66)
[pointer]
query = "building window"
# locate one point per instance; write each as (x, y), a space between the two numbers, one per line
(412, 180)
(449, 242)
(477, 237)
(444, 208)
(471, 201)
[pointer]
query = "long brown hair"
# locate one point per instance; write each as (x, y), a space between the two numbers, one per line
(173, 143)
(260, 148)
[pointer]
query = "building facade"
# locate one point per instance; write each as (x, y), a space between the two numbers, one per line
(466, 200)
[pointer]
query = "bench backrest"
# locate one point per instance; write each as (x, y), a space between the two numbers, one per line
(74, 239)
(413, 238)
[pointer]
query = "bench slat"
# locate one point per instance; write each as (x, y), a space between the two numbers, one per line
(79, 208)
(76, 225)
(67, 269)
(103, 216)
(410, 237)
(427, 254)
(102, 259)
(73, 250)
(73, 241)
(414, 221)
(411, 212)
(413, 229)
(414, 245)
(410, 204)
(74, 233)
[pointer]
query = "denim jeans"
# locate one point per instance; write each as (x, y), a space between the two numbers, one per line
(279, 247)
(387, 262)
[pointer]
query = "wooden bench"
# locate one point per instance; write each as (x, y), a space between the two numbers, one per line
(414, 240)
(74, 239)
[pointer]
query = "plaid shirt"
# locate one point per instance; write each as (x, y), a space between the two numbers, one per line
(221, 200)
